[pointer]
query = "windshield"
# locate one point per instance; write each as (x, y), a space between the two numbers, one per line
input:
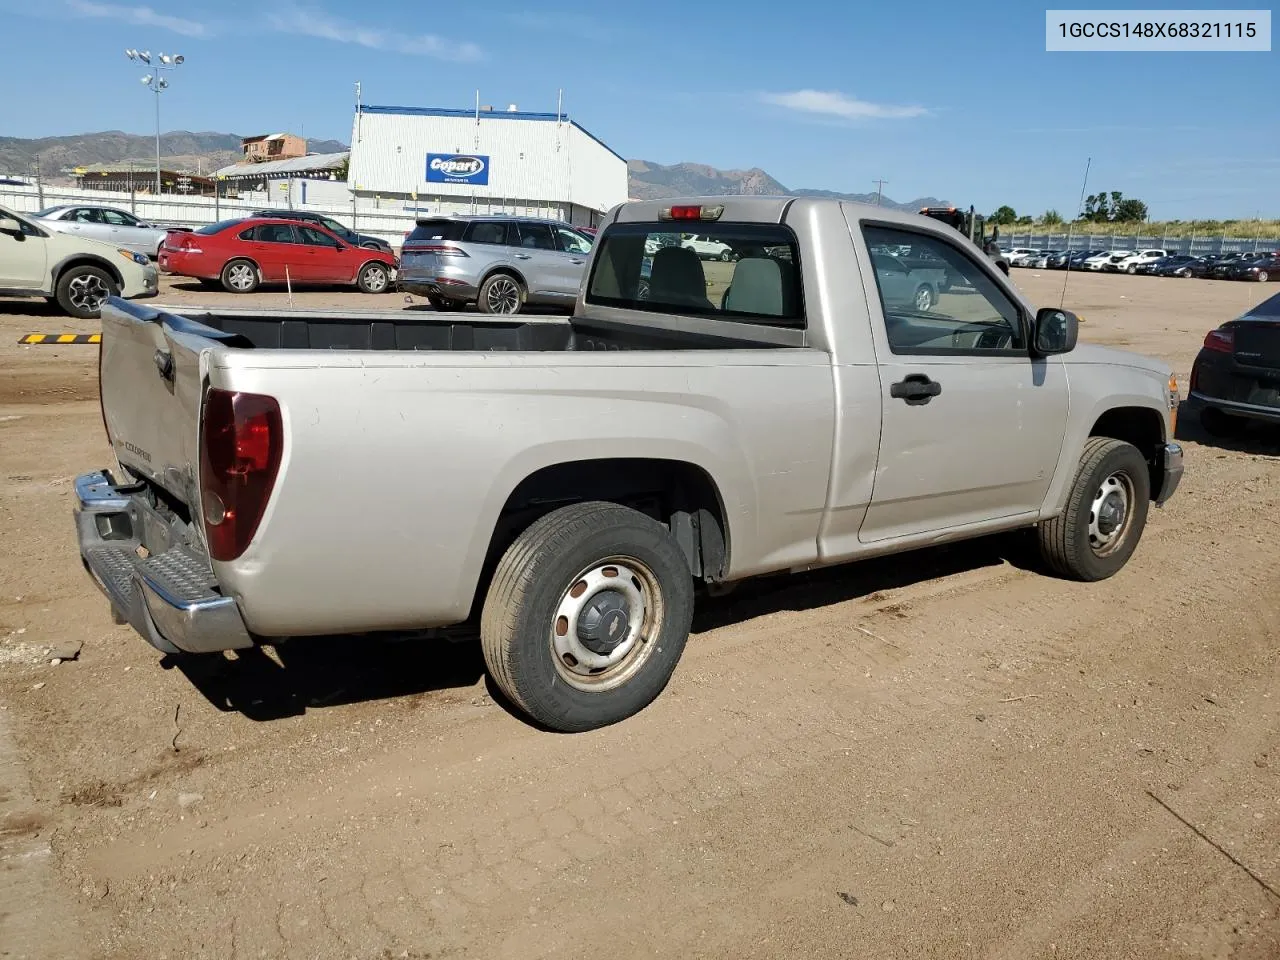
(48, 210)
(335, 227)
(734, 271)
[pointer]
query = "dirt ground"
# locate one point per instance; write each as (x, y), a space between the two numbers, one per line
(937, 756)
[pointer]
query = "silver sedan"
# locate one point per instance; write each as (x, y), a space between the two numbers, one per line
(117, 227)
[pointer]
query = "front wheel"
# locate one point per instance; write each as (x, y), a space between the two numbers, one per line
(1105, 515)
(82, 291)
(373, 278)
(1131, 269)
(587, 615)
(1263, 276)
(726, 255)
(501, 294)
(924, 298)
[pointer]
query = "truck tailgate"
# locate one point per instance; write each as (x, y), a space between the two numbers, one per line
(151, 373)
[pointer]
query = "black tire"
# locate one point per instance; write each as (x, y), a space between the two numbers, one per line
(82, 290)
(1131, 269)
(439, 303)
(1067, 542)
(1222, 425)
(374, 278)
(924, 298)
(1263, 276)
(240, 276)
(535, 581)
(501, 294)
(726, 255)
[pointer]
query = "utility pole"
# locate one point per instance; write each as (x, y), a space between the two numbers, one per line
(879, 190)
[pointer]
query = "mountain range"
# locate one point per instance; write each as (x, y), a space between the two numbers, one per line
(653, 181)
(179, 150)
(207, 151)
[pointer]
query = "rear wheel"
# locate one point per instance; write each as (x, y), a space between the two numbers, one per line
(1105, 515)
(587, 615)
(82, 290)
(373, 278)
(240, 276)
(924, 298)
(438, 302)
(1263, 276)
(1131, 268)
(501, 294)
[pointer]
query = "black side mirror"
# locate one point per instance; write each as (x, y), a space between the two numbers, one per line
(1055, 331)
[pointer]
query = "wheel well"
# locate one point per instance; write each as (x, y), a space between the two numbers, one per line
(86, 261)
(1142, 427)
(677, 494)
(257, 266)
(509, 271)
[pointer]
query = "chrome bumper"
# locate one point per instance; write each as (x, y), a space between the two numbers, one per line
(166, 591)
(1171, 455)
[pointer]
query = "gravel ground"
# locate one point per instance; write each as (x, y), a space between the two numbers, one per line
(943, 755)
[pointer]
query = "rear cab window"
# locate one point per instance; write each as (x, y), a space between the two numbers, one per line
(743, 272)
(217, 227)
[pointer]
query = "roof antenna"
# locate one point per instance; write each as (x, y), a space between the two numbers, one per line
(1079, 211)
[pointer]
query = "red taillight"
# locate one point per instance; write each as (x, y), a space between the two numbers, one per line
(1222, 340)
(241, 443)
(691, 212)
(686, 213)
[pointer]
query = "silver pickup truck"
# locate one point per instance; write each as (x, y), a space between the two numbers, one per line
(564, 484)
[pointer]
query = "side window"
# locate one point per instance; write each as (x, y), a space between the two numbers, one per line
(276, 233)
(570, 241)
(85, 215)
(334, 227)
(250, 234)
(314, 238)
(941, 304)
(487, 231)
(536, 236)
(115, 219)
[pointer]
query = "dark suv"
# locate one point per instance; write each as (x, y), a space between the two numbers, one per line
(330, 224)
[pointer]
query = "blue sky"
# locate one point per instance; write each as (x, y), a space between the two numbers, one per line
(939, 98)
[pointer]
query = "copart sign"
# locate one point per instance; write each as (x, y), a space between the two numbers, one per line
(457, 168)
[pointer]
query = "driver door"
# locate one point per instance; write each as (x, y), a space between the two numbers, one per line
(972, 424)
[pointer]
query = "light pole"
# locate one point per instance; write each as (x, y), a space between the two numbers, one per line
(156, 82)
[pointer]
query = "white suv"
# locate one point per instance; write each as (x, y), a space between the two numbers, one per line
(705, 248)
(77, 273)
(1131, 263)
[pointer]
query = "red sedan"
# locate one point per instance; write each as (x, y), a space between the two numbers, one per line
(243, 254)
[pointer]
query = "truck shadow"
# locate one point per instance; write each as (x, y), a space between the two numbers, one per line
(288, 679)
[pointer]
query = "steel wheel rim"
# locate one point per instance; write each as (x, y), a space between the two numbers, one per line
(616, 606)
(88, 291)
(240, 276)
(503, 296)
(924, 299)
(1111, 514)
(375, 278)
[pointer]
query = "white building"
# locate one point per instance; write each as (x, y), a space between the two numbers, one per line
(431, 160)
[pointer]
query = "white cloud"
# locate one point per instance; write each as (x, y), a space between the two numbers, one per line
(313, 23)
(138, 16)
(831, 103)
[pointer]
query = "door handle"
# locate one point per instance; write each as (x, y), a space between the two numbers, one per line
(915, 389)
(524, 256)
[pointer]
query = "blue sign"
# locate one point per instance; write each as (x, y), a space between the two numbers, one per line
(457, 168)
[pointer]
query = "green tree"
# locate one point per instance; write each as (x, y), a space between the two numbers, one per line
(1004, 216)
(1051, 218)
(1130, 211)
(1097, 209)
(1024, 220)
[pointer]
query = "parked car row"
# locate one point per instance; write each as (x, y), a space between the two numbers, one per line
(1256, 266)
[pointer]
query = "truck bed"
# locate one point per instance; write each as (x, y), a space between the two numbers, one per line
(431, 330)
